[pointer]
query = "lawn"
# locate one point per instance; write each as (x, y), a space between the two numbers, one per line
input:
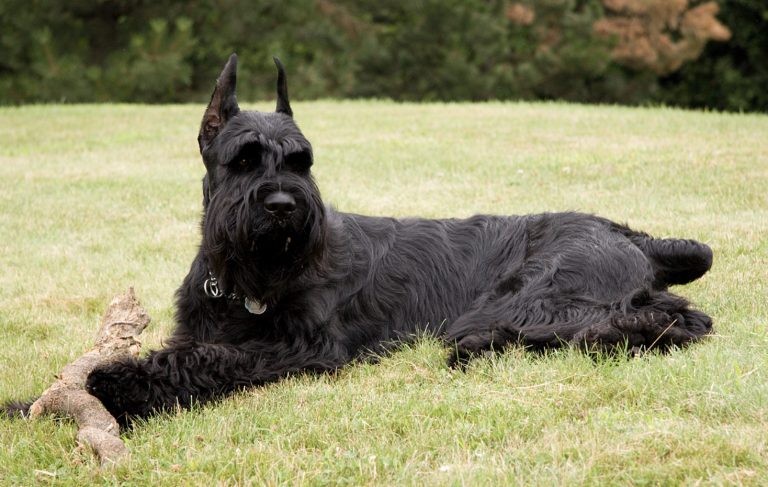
(98, 198)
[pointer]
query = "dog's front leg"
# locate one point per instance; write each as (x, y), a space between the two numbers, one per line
(194, 373)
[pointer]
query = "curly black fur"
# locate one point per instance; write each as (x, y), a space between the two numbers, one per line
(339, 286)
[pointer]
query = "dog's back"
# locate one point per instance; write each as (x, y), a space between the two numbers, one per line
(416, 273)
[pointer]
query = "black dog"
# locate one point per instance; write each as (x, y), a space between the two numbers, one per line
(284, 284)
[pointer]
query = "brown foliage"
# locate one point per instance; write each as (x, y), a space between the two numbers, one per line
(659, 35)
(341, 16)
(520, 14)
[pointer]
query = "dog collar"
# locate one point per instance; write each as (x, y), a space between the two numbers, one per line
(213, 291)
(254, 306)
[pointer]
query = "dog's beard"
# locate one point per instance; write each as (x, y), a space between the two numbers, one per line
(249, 250)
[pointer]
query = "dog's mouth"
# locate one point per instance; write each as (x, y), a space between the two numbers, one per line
(273, 231)
(257, 245)
(244, 267)
(282, 222)
(252, 236)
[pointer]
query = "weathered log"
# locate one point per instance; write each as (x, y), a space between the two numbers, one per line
(117, 339)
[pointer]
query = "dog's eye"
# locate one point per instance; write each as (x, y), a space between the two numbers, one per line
(244, 164)
(299, 161)
(247, 158)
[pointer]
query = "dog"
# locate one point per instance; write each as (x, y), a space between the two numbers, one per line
(283, 284)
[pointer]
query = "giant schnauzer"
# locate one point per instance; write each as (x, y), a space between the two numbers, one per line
(283, 284)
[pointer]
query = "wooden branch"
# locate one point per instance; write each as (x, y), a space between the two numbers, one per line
(117, 339)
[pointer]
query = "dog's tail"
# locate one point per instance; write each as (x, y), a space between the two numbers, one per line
(16, 409)
(675, 261)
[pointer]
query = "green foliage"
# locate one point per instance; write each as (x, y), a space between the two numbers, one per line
(456, 50)
(62, 50)
(729, 76)
(155, 65)
(171, 51)
(558, 57)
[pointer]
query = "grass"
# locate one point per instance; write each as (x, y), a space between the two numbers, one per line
(98, 198)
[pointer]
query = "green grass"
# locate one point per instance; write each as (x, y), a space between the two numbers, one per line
(98, 198)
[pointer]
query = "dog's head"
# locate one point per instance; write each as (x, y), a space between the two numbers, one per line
(263, 216)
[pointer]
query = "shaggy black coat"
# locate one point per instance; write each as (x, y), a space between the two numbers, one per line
(337, 287)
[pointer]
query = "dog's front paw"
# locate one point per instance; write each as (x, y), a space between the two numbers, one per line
(468, 348)
(123, 388)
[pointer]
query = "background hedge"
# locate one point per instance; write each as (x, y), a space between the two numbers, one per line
(171, 51)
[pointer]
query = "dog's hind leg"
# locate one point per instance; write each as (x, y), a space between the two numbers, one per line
(674, 261)
(644, 320)
(536, 320)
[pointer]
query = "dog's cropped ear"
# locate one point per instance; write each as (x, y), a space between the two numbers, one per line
(283, 106)
(223, 105)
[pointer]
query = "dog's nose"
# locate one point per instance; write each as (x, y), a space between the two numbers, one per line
(280, 203)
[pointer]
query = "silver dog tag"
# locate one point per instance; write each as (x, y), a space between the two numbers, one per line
(255, 306)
